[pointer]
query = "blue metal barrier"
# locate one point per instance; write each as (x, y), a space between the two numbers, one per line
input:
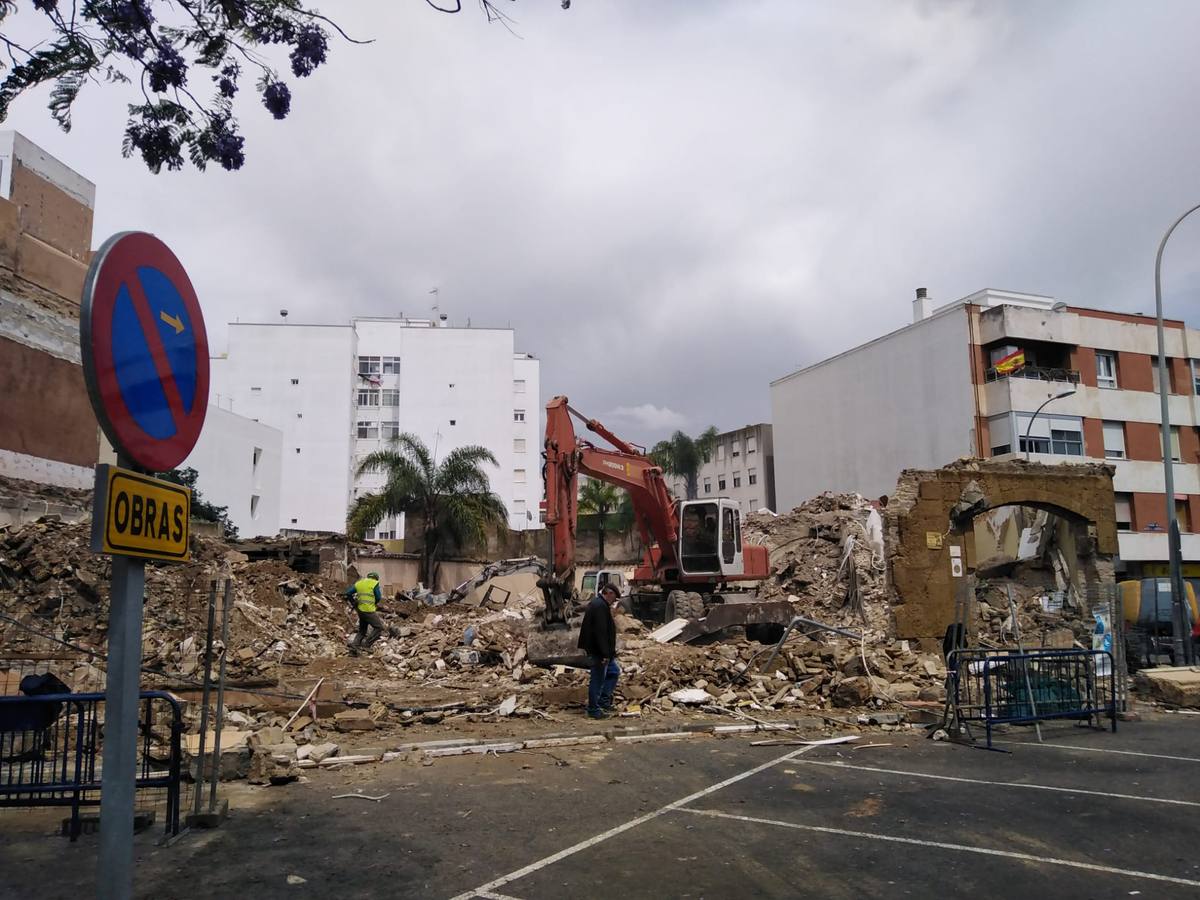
(1007, 687)
(50, 753)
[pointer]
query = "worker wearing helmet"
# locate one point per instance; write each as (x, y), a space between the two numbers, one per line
(365, 595)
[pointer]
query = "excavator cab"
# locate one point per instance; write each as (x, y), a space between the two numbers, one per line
(710, 538)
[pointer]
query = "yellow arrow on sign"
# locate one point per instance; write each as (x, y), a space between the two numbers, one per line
(173, 321)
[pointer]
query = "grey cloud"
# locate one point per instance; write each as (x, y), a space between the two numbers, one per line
(675, 203)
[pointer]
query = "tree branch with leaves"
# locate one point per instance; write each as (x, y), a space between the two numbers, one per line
(189, 60)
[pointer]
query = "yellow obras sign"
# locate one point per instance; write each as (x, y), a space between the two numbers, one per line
(136, 515)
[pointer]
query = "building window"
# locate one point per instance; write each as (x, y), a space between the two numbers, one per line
(518, 508)
(390, 397)
(519, 386)
(737, 479)
(518, 476)
(518, 445)
(1175, 455)
(386, 536)
(294, 521)
(751, 444)
(297, 449)
(389, 430)
(1124, 512)
(257, 456)
(518, 415)
(368, 365)
(255, 390)
(1196, 377)
(391, 365)
(368, 535)
(299, 415)
(368, 397)
(720, 452)
(737, 448)
(1114, 440)
(753, 476)
(1066, 443)
(368, 430)
(753, 501)
(254, 506)
(295, 381)
(1106, 369)
(1155, 386)
(1001, 449)
(708, 485)
(1183, 516)
(454, 421)
(720, 484)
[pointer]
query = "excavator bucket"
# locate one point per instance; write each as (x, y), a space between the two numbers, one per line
(556, 646)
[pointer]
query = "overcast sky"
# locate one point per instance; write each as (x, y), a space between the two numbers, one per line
(674, 203)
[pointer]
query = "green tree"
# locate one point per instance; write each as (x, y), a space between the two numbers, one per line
(201, 508)
(683, 456)
(602, 499)
(453, 499)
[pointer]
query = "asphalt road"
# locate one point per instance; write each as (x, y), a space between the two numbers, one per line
(1088, 815)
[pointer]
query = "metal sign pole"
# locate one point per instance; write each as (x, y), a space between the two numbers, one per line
(114, 876)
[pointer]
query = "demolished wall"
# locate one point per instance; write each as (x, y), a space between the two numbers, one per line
(931, 515)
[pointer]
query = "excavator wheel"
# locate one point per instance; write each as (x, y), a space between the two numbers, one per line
(684, 605)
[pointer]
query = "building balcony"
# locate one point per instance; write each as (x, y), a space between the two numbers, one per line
(1021, 323)
(1036, 373)
(1151, 546)
(1027, 394)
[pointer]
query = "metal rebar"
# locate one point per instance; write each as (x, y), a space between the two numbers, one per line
(220, 717)
(208, 641)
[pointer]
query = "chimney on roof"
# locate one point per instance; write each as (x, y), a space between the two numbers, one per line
(921, 306)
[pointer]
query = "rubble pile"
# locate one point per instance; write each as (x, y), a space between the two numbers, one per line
(808, 561)
(455, 663)
(807, 674)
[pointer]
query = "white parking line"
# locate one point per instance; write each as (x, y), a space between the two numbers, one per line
(488, 895)
(961, 848)
(1012, 784)
(485, 889)
(1195, 759)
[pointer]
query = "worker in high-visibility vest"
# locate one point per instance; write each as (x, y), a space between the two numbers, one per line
(365, 595)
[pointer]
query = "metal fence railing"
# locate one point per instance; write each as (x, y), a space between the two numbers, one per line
(50, 752)
(1001, 687)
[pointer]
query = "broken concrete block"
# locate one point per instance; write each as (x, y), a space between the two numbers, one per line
(354, 720)
(319, 752)
(691, 696)
(272, 734)
(852, 692)
(1178, 686)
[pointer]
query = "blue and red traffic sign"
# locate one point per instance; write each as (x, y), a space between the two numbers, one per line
(145, 350)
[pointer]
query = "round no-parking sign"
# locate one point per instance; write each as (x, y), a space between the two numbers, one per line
(145, 350)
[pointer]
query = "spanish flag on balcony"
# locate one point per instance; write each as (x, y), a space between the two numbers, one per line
(1010, 363)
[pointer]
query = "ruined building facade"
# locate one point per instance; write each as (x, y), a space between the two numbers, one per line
(966, 379)
(48, 433)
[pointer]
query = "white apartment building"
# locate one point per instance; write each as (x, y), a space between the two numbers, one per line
(238, 465)
(340, 392)
(932, 391)
(741, 467)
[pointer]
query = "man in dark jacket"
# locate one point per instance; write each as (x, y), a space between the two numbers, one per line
(598, 637)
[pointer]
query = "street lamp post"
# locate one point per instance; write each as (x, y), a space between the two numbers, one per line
(1033, 418)
(1180, 644)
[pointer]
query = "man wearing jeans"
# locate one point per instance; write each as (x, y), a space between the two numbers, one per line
(598, 638)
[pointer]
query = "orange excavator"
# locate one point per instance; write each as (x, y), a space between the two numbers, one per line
(693, 554)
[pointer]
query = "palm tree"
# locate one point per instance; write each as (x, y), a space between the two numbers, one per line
(683, 456)
(454, 499)
(601, 498)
